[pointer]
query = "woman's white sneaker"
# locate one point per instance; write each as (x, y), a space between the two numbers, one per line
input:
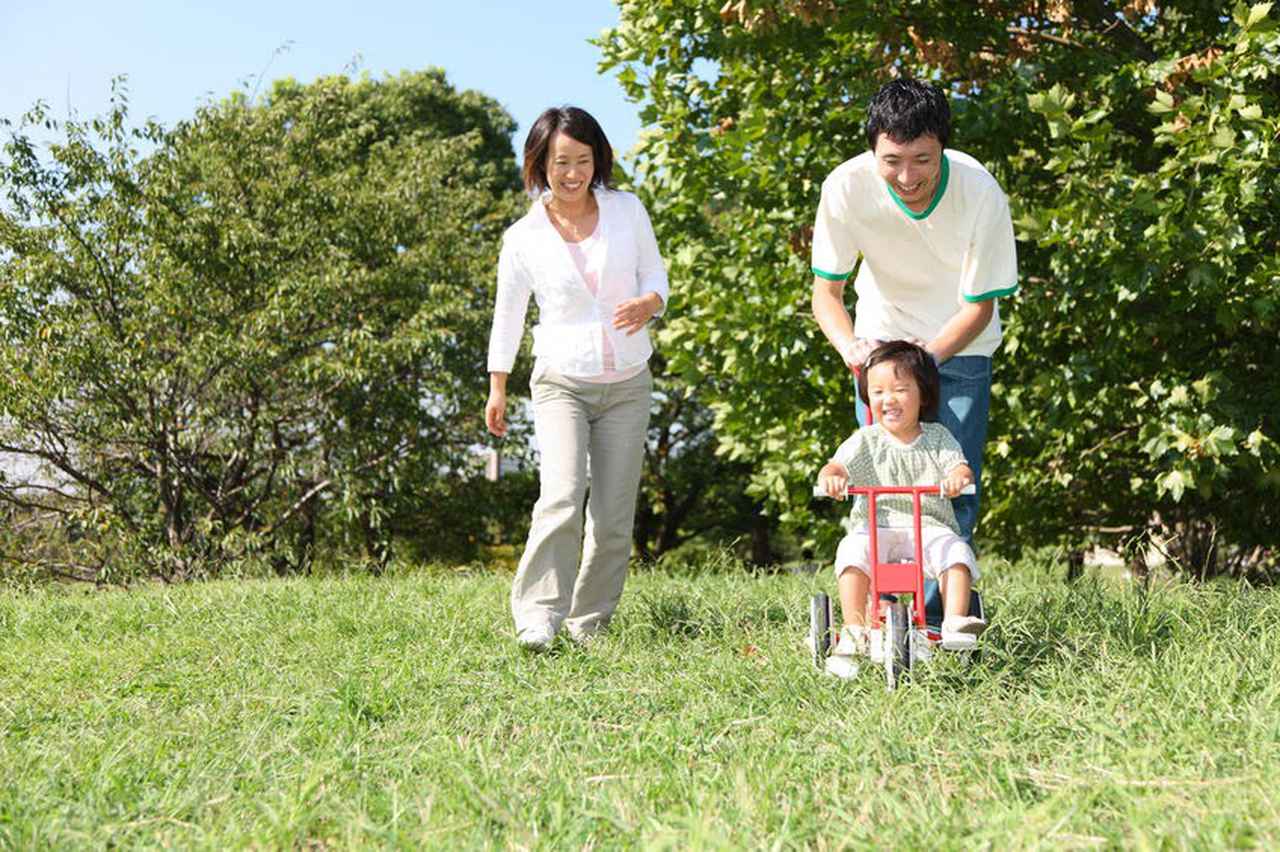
(537, 638)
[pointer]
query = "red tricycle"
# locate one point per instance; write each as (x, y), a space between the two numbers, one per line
(903, 639)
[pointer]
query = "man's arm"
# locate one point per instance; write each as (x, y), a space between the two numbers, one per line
(834, 320)
(958, 332)
(830, 312)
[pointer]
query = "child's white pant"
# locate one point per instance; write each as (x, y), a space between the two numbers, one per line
(942, 549)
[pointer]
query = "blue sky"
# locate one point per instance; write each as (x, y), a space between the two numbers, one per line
(179, 53)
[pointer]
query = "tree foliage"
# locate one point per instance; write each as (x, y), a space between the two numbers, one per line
(689, 494)
(1137, 140)
(255, 337)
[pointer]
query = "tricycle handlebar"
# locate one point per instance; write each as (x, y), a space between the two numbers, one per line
(929, 490)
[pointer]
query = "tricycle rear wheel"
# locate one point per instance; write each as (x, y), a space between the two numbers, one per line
(819, 628)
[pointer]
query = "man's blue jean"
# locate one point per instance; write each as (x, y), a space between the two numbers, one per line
(964, 410)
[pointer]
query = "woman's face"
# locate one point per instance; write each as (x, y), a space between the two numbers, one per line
(570, 167)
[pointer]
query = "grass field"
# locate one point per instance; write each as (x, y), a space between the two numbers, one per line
(397, 712)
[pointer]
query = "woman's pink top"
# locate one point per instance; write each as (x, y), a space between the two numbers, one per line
(588, 256)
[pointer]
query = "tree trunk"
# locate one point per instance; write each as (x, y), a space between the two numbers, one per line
(1075, 565)
(643, 529)
(761, 551)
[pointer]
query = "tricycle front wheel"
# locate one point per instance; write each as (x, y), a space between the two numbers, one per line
(896, 643)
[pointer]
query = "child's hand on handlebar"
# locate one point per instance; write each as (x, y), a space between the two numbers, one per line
(956, 481)
(834, 481)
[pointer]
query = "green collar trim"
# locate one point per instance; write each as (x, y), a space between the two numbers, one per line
(937, 196)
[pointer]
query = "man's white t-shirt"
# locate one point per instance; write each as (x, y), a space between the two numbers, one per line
(917, 268)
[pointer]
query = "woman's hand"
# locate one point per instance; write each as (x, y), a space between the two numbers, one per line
(956, 481)
(632, 315)
(833, 479)
(495, 413)
(495, 410)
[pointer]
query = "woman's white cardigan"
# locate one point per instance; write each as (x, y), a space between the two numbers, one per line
(572, 322)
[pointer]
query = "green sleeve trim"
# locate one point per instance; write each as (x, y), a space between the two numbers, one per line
(943, 179)
(831, 276)
(993, 294)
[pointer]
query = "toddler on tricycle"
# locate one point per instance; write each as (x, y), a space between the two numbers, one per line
(894, 463)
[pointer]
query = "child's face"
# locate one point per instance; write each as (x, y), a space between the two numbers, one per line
(895, 398)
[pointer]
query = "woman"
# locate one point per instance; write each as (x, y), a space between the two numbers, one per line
(587, 253)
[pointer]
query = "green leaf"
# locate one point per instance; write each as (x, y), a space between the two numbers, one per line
(1257, 13)
(1221, 442)
(1174, 483)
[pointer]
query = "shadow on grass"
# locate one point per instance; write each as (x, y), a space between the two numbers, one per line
(1071, 627)
(681, 615)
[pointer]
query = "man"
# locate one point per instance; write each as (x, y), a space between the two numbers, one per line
(932, 227)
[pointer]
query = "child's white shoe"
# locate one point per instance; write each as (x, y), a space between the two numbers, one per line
(960, 632)
(852, 641)
(840, 666)
(875, 645)
(851, 644)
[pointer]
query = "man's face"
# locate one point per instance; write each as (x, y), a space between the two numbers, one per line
(911, 168)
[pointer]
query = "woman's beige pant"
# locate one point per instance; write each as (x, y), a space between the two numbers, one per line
(588, 435)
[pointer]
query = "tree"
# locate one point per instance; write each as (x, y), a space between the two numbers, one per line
(259, 340)
(1137, 142)
(688, 492)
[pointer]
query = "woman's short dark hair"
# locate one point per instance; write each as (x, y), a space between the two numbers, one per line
(906, 110)
(914, 360)
(578, 125)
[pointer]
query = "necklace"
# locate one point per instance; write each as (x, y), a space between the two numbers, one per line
(573, 228)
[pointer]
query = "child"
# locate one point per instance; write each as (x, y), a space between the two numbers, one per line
(899, 383)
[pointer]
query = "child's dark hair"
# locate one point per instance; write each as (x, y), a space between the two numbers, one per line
(907, 109)
(916, 361)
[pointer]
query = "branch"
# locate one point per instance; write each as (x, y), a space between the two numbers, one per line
(302, 501)
(1023, 31)
(62, 463)
(113, 321)
(1117, 436)
(1140, 46)
(36, 486)
(11, 498)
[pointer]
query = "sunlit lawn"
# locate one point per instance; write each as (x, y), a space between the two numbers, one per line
(396, 711)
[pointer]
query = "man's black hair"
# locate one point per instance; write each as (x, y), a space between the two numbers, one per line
(915, 361)
(906, 110)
